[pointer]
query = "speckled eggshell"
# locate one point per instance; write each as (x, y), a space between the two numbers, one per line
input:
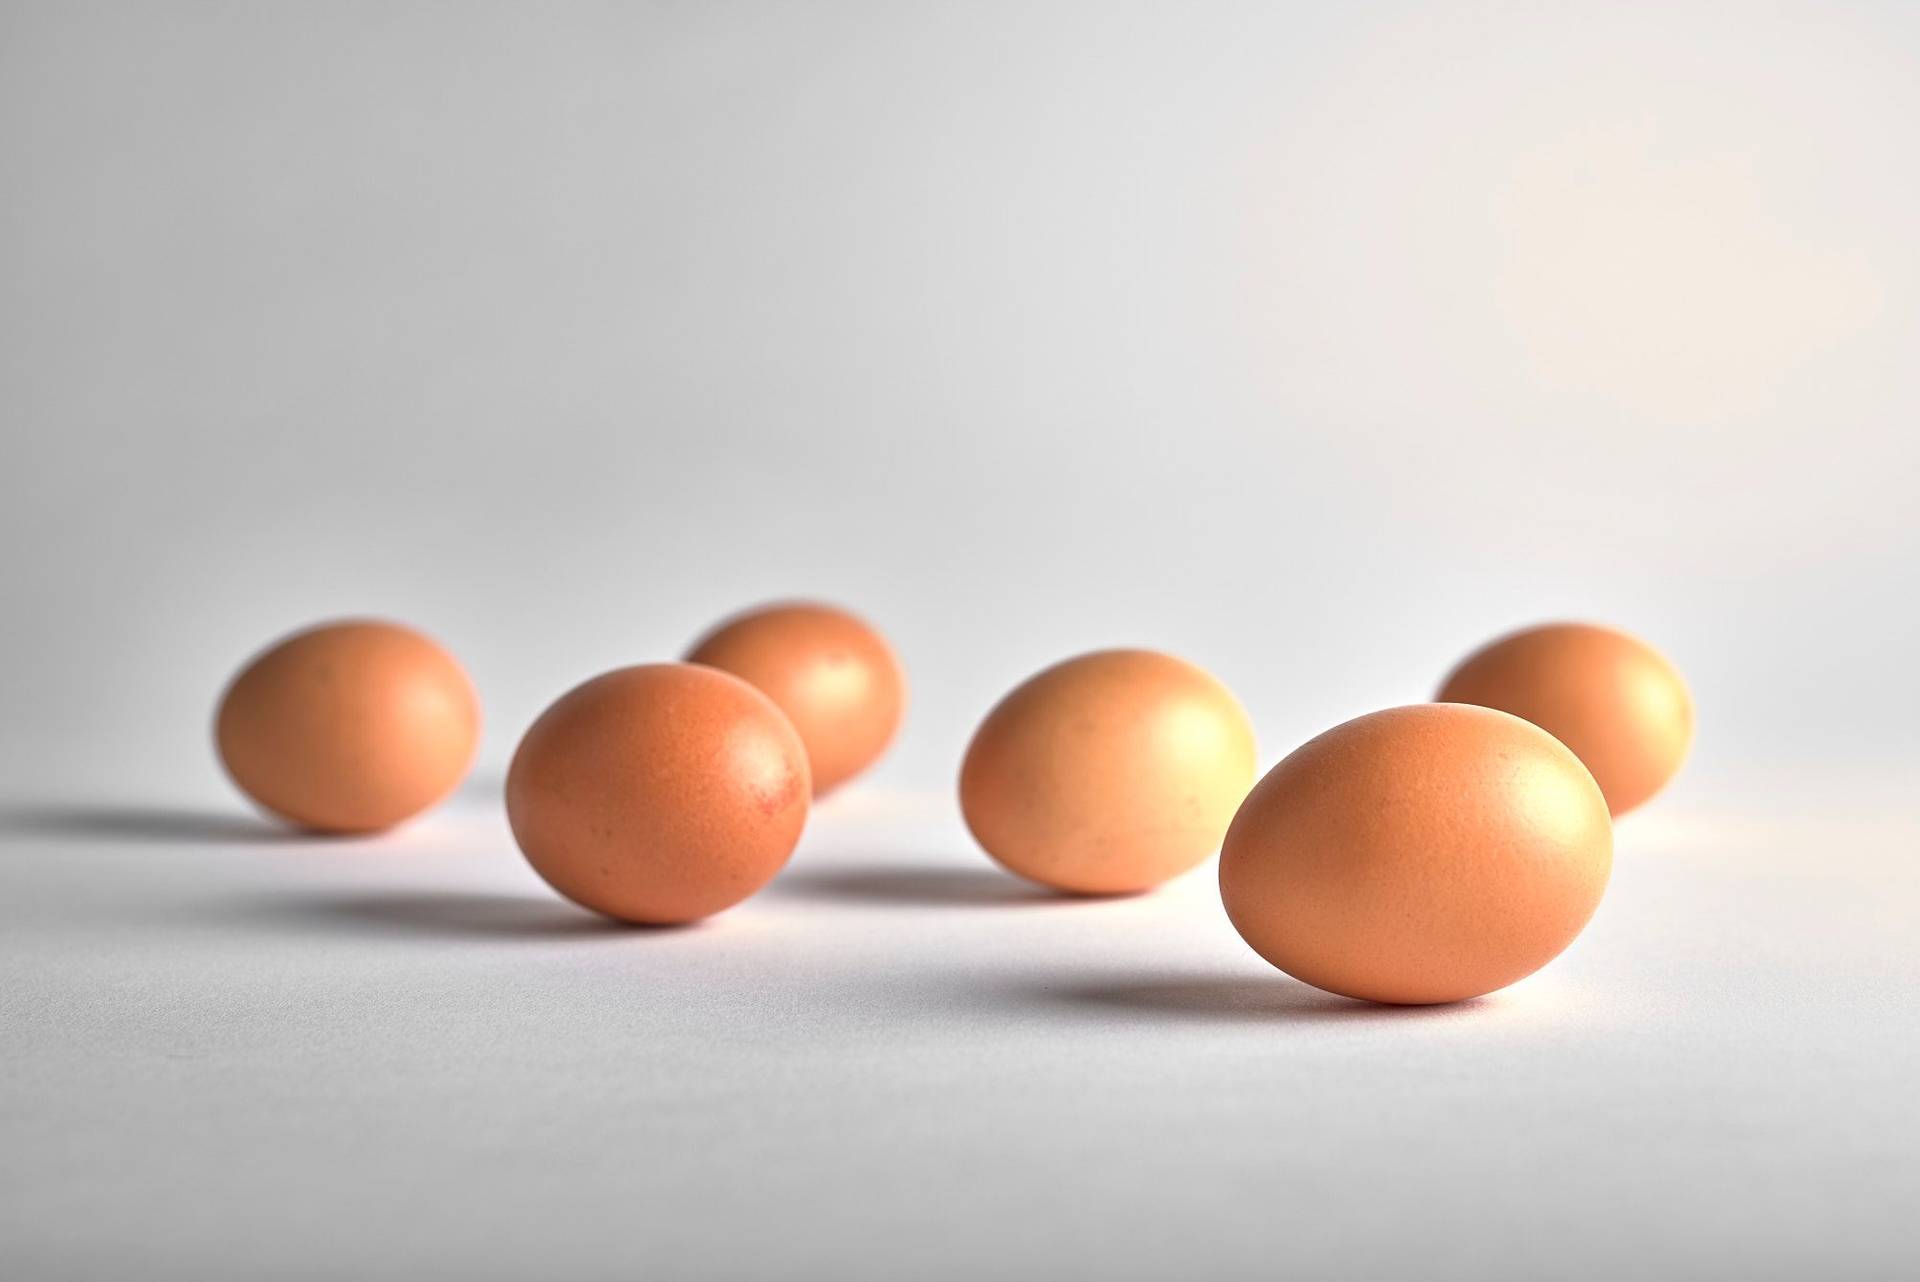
(1108, 773)
(659, 794)
(1421, 854)
(834, 676)
(1612, 698)
(349, 727)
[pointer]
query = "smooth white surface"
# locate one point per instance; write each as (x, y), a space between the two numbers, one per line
(232, 1055)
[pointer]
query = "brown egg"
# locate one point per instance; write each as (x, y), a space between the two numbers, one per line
(1612, 698)
(659, 794)
(1423, 854)
(1108, 773)
(349, 727)
(830, 672)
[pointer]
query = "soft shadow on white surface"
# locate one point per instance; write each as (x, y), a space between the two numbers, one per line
(109, 822)
(1224, 999)
(907, 885)
(433, 913)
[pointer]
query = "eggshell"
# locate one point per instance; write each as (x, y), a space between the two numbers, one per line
(1108, 773)
(349, 727)
(834, 676)
(1422, 854)
(1612, 698)
(659, 794)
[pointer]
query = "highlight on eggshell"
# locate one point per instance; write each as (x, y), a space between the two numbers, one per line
(832, 673)
(659, 794)
(1612, 698)
(1108, 773)
(349, 726)
(1418, 855)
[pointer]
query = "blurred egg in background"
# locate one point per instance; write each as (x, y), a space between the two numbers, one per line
(349, 727)
(1610, 697)
(834, 676)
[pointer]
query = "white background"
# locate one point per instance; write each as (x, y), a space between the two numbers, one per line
(1315, 344)
(1316, 348)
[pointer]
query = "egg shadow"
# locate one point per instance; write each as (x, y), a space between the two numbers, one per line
(158, 824)
(438, 914)
(1227, 999)
(914, 886)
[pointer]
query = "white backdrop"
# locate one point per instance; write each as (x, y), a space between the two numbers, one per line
(1315, 346)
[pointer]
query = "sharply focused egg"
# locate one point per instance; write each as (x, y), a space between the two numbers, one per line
(1610, 697)
(834, 676)
(349, 727)
(1108, 773)
(659, 794)
(1422, 854)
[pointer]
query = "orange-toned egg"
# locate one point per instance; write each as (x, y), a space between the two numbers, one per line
(1610, 697)
(659, 794)
(349, 727)
(834, 676)
(1108, 773)
(1422, 854)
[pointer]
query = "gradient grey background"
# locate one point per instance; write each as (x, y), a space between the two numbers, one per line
(1314, 343)
(1317, 347)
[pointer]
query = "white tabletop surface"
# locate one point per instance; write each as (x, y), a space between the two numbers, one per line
(229, 1053)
